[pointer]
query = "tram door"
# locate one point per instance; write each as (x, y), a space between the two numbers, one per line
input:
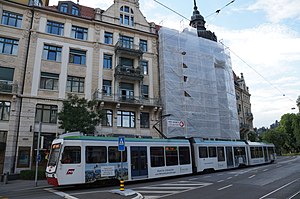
(139, 166)
(265, 154)
(229, 157)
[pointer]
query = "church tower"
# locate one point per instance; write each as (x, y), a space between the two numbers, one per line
(197, 21)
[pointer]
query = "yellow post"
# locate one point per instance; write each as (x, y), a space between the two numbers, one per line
(122, 187)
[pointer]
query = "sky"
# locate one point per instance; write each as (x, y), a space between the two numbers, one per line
(262, 35)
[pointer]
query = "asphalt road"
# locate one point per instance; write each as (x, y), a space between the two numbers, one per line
(280, 180)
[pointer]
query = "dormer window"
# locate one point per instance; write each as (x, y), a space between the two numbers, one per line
(126, 16)
(75, 11)
(64, 8)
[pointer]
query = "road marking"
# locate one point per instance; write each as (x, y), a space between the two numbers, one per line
(229, 178)
(206, 176)
(165, 187)
(279, 188)
(62, 194)
(193, 179)
(265, 169)
(251, 176)
(294, 195)
(225, 187)
(148, 191)
(221, 181)
(278, 166)
(220, 174)
(178, 184)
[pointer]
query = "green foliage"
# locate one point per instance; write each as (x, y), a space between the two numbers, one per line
(79, 114)
(286, 137)
(30, 174)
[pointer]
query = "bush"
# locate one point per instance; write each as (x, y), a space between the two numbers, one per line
(30, 175)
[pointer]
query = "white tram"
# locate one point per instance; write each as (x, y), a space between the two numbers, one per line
(86, 159)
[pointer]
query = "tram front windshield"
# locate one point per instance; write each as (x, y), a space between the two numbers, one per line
(53, 159)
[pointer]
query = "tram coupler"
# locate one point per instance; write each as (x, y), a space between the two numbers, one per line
(122, 187)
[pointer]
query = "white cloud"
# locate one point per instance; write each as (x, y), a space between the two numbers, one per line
(278, 10)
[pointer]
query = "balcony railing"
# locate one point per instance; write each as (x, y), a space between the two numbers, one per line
(249, 116)
(8, 87)
(117, 98)
(128, 48)
(128, 72)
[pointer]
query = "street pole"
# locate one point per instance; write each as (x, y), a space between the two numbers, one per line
(37, 154)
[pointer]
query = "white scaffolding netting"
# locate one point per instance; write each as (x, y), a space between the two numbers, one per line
(197, 86)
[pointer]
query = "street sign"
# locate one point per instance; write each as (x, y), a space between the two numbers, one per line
(175, 123)
(121, 144)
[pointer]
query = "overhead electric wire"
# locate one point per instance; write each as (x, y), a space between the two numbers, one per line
(219, 10)
(275, 87)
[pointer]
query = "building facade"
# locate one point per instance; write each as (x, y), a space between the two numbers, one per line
(197, 88)
(243, 106)
(48, 52)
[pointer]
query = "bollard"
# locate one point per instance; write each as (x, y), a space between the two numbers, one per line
(122, 187)
(5, 178)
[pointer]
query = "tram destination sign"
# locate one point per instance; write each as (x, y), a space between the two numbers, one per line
(121, 143)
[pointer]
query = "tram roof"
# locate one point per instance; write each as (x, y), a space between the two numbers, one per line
(219, 142)
(115, 139)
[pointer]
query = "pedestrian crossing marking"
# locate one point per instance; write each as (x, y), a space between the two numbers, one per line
(168, 189)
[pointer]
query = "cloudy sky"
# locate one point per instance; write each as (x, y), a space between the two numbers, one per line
(265, 34)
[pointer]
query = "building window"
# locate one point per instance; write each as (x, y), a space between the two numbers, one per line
(126, 91)
(77, 57)
(126, 42)
(8, 46)
(79, 33)
(144, 120)
(46, 113)
(49, 81)
(64, 8)
(144, 67)
(52, 53)
(23, 157)
(126, 16)
(108, 38)
(75, 84)
(55, 28)
(75, 11)
(6, 79)
(12, 19)
(145, 91)
(107, 118)
(126, 119)
(106, 87)
(107, 61)
(143, 45)
(4, 110)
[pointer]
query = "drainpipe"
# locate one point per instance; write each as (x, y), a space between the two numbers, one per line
(23, 85)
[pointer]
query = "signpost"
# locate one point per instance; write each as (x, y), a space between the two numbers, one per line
(121, 148)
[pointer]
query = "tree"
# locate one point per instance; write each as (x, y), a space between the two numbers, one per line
(79, 114)
(287, 125)
(276, 137)
(298, 102)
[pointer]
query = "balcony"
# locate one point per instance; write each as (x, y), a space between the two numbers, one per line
(128, 72)
(8, 87)
(128, 48)
(249, 116)
(123, 99)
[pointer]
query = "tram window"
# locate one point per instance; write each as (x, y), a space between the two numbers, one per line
(221, 156)
(184, 155)
(171, 156)
(157, 156)
(203, 152)
(252, 152)
(96, 154)
(260, 152)
(114, 155)
(71, 155)
(212, 152)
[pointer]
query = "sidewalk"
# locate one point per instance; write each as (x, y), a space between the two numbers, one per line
(22, 185)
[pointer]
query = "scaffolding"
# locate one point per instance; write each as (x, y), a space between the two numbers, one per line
(197, 88)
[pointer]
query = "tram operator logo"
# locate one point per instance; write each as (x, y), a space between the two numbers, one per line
(70, 171)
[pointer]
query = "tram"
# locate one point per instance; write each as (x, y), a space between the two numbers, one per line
(87, 159)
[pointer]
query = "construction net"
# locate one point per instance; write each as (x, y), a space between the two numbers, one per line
(197, 87)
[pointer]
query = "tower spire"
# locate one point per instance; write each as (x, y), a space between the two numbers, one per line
(197, 21)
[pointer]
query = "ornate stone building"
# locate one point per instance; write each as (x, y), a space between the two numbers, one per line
(48, 52)
(243, 105)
